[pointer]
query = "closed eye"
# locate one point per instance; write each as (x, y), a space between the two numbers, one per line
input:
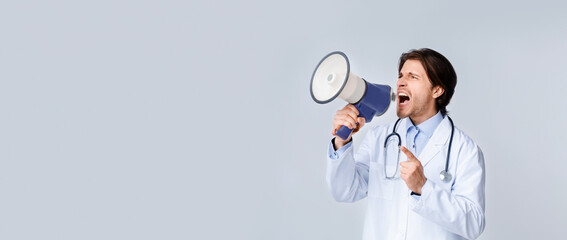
(414, 76)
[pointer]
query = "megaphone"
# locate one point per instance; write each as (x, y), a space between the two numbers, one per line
(332, 78)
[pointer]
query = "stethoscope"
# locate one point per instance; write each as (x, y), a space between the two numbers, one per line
(444, 175)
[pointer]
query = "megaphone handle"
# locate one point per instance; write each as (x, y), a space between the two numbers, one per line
(344, 132)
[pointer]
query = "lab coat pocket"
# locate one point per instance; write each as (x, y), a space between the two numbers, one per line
(378, 186)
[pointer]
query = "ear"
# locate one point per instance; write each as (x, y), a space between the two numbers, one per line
(438, 91)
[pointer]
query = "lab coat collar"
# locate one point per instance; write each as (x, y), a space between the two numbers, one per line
(435, 144)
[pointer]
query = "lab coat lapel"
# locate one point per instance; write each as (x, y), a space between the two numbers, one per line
(436, 142)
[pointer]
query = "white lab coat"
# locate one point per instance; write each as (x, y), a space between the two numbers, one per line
(453, 210)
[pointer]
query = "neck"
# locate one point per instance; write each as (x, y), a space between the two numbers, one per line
(422, 117)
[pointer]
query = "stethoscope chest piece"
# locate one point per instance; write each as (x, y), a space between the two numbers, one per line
(445, 176)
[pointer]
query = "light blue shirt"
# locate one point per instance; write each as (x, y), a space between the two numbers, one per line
(336, 154)
(417, 136)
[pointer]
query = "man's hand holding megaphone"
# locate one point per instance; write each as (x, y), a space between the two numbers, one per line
(347, 116)
(332, 79)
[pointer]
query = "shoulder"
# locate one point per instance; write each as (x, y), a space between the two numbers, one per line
(465, 146)
(378, 133)
(382, 129)
(464, 139)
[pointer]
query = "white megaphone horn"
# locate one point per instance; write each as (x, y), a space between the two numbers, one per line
(332, 78)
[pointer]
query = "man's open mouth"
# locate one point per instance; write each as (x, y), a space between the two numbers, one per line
(403, 98)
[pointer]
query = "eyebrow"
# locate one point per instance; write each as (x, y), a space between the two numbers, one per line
(409, 73)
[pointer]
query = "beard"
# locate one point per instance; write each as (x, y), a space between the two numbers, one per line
(402, 114)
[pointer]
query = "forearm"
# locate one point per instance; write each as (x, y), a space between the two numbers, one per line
(347, 179)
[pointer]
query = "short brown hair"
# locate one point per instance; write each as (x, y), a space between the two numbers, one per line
(438, 69)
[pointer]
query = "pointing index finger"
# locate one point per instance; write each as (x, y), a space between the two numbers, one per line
(408, 153)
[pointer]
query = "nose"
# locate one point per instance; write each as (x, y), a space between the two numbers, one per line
(401, 82)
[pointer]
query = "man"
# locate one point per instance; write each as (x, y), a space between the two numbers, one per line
(407, 196)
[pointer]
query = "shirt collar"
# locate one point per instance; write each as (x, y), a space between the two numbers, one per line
(429, 126)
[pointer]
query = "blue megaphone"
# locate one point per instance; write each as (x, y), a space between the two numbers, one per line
(332, 78)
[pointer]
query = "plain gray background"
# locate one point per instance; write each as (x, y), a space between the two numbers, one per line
(193, 120)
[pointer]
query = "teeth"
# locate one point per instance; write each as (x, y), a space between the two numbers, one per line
(402, 94)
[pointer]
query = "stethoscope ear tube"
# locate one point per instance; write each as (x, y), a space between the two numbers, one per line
(394, 134)
(446, 176)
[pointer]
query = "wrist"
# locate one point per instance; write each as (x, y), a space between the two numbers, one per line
(339, 143)
(419, 188)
